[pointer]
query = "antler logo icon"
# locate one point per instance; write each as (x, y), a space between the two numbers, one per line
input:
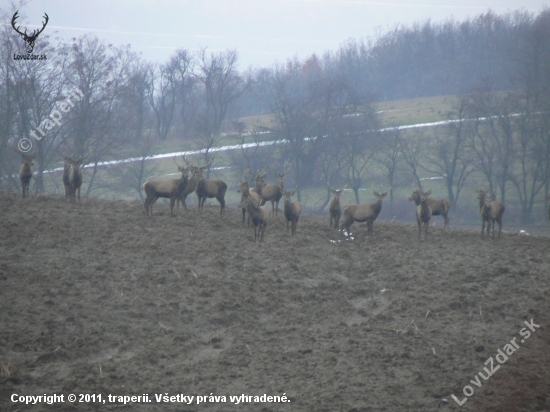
(32, 38)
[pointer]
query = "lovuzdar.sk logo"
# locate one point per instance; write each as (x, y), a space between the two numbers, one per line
(29, 40)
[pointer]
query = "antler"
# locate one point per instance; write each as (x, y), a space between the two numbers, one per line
(84, 157)
(35, 33)
(14, 18)
(43, 25)
(208, 165)
(174, 159)
(243, 178)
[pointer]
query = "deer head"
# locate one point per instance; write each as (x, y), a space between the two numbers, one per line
(32, 38)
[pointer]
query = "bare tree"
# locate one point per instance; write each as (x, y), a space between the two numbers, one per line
(412, 146)
(492, 140)
(99, 121)
(389, 157)
(222, 85)
(448, 157)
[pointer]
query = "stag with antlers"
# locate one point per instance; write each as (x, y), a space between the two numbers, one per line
(75, 177)
(207, 188)
(170, 189)
(274, 192)
(335, 208)
(26, 169)
(29, 40)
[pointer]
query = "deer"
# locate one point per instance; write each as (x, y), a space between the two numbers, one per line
(439, 207)
(193, 181)
(26, 169)
(170, 189)
(274, 192)
(25, 172)
(258, 214)
(491, 211)
(260, 182)
(335, 208)
(207, 188)
(363, 213)
(423, 213)
(29, 40)
(245, 188)
(66, 174)
(292, 210)
(75, 177)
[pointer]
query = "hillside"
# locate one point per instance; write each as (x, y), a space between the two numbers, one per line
(99, 299)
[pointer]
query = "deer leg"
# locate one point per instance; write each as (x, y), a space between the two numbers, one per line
(146, 206)
(222, 203)
(172, 201)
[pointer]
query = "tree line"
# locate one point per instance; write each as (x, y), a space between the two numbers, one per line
(322, 108)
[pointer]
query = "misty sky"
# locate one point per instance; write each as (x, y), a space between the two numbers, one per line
(263, 31)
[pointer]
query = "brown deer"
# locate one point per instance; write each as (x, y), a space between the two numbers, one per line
(25, 172)
(292, 210)
(245, 188)
(363, 213)
(170, 189)
(335, 208)
(193, 181)
(75, 177)
(260, 182)
(423, 214)
(491, 211)
(66, 174)
(258, 214)
(211, 188)
(439, 207)
(274, 192)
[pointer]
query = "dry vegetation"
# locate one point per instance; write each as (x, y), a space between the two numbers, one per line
(102, 299)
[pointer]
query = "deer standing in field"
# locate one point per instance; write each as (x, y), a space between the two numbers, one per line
(363, 213)
(75, 177)
(170, 189)
(423, 213)
(25, 173)
(491, 211)
(245, 188)
(274, 192)
(258, 214)
(65, 177)
(192, 183)
(292, 210)
(207, 188)
(439, 207)
(260, 182)
(335, 208)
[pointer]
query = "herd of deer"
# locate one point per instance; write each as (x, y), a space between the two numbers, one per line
(254, 199)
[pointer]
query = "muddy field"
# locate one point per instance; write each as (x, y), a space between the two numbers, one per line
(100, 299)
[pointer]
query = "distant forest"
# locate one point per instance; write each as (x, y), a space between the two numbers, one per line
(106, 102)
(431, 59)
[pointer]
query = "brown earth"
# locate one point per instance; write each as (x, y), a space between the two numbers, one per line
(99, 299)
